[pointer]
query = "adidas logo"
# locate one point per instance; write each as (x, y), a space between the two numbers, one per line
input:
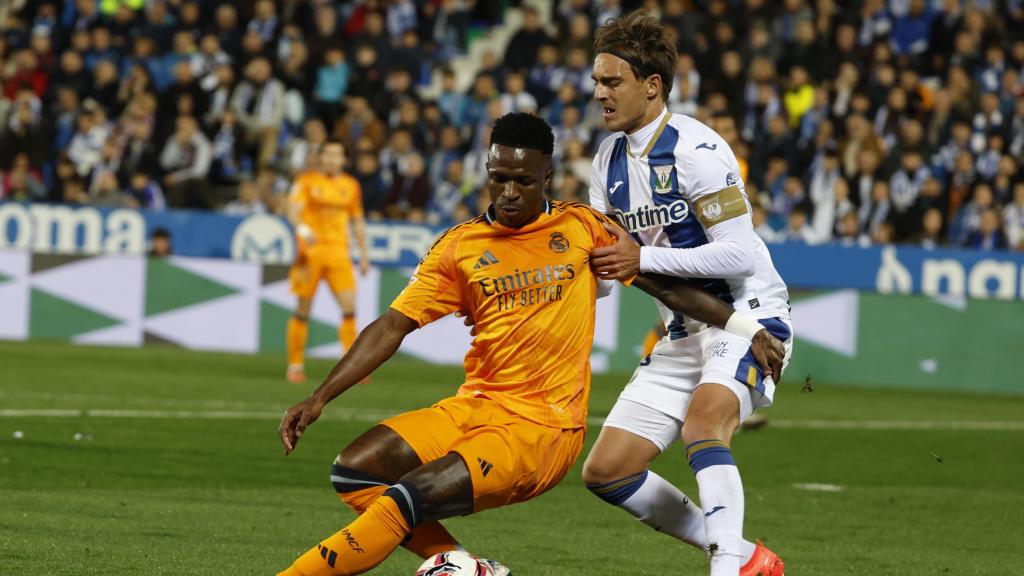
(485, 466)
(486, 260)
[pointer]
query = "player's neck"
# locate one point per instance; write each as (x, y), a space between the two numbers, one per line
(639, 138)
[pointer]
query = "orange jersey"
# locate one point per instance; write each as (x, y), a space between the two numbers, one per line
(532, 295)
(327, 206)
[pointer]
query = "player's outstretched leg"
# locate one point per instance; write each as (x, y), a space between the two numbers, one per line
(368, 466)
(616, 472)
(438, 489)
(711, 418)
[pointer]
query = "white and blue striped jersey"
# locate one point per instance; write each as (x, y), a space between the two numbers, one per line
(667, 184)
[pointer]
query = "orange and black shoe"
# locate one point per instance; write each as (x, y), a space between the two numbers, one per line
(764, 562)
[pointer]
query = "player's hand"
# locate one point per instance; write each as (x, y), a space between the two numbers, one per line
(364, 266)
(468, 321)
(769, 352)
(295, 422)
(620, 261)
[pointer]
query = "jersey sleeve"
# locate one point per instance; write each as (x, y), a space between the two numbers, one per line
(436, 288)
(715, 193)
(595, 222)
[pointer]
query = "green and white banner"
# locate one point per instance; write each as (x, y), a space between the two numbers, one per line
(842, 336)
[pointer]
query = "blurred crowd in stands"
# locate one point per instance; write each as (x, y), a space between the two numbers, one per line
(862, 122)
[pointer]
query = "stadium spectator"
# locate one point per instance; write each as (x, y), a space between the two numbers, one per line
(371, 184)
(186, 159)
(989, 234)
(331, 84)
(160, 245)
(409, 193)
(22, 183)
(302, 152)
(931, 230)
(516, 98)
(447, 205)
(144, 192)
(1013, 218)
(521, 53)
(258, 103)
(248, 201)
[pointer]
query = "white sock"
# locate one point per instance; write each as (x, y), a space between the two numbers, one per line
(662, 506)
(721, 498)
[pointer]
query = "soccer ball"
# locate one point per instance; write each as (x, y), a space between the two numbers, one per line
(453, 564)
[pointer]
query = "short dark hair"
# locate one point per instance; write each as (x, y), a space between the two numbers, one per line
(639, 39)
(522, 130)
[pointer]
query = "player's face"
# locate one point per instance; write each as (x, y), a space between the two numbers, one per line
(623, 96)
(332, 158)
(517, 179)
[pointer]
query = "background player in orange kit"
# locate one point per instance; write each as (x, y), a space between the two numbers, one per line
(516, 426)
(321, 206)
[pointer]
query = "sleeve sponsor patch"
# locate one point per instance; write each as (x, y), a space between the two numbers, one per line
(720, 206)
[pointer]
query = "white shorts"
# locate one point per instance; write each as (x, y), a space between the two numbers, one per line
(654, 402)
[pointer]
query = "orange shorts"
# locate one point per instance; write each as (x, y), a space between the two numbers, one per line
(510, 459)
(326, 262)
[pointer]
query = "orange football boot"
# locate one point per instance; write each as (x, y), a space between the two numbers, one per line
(296, 374)
(764, 562)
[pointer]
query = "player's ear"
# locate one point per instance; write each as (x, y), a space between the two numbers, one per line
(548, 175)
(653, 86)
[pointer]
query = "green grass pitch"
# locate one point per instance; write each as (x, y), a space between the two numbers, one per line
(178, 471)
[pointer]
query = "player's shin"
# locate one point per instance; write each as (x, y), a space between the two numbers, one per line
(347, 330)
(359, 490)
(368, 540)
(657, 503)
(296, 337)
(721, 498)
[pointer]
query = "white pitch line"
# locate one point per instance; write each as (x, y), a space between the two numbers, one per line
(352, 415)
(976, 425)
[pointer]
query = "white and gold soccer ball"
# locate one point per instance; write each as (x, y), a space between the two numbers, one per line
(459, 564)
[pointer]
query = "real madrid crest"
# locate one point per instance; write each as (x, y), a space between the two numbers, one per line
(663, 177)
(558, 242)
(712, 210)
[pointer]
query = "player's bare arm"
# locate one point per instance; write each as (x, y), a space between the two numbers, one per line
(683, 296)
(378, 342)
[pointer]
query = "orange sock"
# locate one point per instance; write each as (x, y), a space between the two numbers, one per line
(427, 539)
(347, 331)
(358, 547)
(430, 538)
(650, 340)
(296, 336)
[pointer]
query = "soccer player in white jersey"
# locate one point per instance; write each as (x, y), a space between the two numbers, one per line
(674, 185)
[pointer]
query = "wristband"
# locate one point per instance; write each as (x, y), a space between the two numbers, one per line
(304, 231)
(742, 325)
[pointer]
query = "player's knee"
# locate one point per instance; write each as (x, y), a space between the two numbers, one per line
(611, 484)
(703, 426)
(598, 471)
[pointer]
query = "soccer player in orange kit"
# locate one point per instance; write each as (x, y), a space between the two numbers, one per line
(521, 271)
(321, 206)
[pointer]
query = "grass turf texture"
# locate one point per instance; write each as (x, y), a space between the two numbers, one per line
(177, 496)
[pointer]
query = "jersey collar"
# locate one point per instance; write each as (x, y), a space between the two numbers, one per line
(492, 219)
(648, 134)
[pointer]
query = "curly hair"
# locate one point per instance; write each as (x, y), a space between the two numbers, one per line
(522, 130)
(639, 39)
